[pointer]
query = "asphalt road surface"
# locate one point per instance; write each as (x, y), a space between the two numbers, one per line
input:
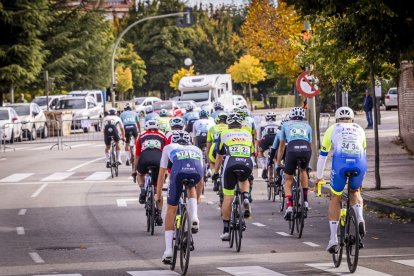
(62, 214)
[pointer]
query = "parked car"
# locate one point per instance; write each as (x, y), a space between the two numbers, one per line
(391, 98)
(239, 101)
(184, 104)
(10, 125)
(171, 106)
(53, 100)
(96, 94)
(33, 120)
(142, 102)
(86, 112)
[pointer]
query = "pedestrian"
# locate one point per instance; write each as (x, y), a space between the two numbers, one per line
(22, 99)
(368, 108)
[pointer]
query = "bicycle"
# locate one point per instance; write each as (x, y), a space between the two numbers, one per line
(112, 159)
(279, 187)
(271, 188)
(205, 168)
(131, 149)
(237, 223)
(348, 230)
(150, 208)
(183, 238)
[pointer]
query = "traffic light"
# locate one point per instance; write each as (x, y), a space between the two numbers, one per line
(187, 20)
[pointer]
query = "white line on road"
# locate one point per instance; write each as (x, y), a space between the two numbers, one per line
(98, 176)
(386, 256)
(76, 274)
(311, 244)
(16, 177)
(249, 270)
(58, 176)
(80, 145)
(153, 272)
(405, 262)
(20, 230)
(124, 202)
(36, 258)
(22, 212)
(97, 146)
(283, 234)
(258, 224)
(40, 148)
(3, 159)
(342, 270)
(68, 182)
(84, 164)
(38, 191)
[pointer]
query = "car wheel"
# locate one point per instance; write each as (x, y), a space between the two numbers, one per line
(11, 141)
(45, 133)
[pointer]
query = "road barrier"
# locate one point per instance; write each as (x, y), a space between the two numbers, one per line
(324, 122)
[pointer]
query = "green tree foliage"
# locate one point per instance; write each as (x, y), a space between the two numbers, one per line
(124, 79)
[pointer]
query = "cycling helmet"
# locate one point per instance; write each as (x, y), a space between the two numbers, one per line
(221, 117)
(241, 112)
(297, 113)
(163, 113)
(151, 124)
(189, 108)
(203, 114)
(112, 111)
(127, 107)
(234, 118)
(344, 113)
(177, 122)
(181, 137)
(218, 106)
(149, 109)
(270, 116)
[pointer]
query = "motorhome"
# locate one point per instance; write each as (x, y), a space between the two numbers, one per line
(205, 90)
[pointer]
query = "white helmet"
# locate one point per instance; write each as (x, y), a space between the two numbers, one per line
(297, 112)
(181, 137)
(270, 116)
(177, 122)
(149, 109)
(151, 124)
(112, 111)
(234, 117)
(344, 112)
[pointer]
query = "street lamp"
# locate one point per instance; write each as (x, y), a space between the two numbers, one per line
(188, 62)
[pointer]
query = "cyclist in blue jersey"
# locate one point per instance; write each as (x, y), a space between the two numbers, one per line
(190, 117)
(150, 114)
(297, 134)
(218, 108)
(130, 119)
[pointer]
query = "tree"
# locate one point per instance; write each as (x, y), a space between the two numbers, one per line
(175, 80)
(124, 80)
(248, 70)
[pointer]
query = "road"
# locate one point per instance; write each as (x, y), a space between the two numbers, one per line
(62, 214)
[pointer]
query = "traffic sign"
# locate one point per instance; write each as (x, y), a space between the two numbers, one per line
(307, 85)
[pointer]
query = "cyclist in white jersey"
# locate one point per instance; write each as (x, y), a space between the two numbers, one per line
(266, 134)
(113, 125)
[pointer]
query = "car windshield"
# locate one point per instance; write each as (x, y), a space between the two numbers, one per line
(162, 105)
(71, 104)
(22, 110)
(40, 101)
(139, 101)
(4, 114)
(393, 92)
(197, 96)
(183, 104)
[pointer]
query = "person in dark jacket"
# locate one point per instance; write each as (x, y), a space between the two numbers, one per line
(368, 108)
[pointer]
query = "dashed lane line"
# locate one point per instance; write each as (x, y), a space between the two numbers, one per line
(405, 262)
(153, 272)
(22, 212)
(311, 244)
(15, 177)
(284, 234)
(258, 224)
(38, 191)
(58, 176)
(20, 230)
(36, 258)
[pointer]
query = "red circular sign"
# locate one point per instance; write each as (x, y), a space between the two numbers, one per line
(306, 85)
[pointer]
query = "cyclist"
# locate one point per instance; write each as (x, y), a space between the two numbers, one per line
(218, 108)
(273, 152)
(297, 134)
(148, 150)
(176, 123)
(130, 119)
(349, 154)
(212, 139)
(112, 127)
(150, 114)
(185, 161)
(266, 134)
(190, 117)
(200, 129)
(164, 121)
(236, 144)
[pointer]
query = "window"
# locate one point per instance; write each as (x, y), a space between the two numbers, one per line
(91, 105)
(197, 96)
(4, 114)
(162, 105)
(22, 110)
(40, 101)
(71, 104)
(99, 97)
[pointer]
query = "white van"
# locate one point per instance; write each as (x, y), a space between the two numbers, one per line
(41, 101)
(96, 94)
(205, 90)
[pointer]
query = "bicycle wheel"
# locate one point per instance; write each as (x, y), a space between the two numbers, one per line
(112, 162)
(116, 168)
(300, 212)
(281, 199)
(352, 240)
(185, 246)
(337, 257)
(148, 211)
(269, 190)
(152, 210)
(176, 244)
(232, 225)
(238, 235)
(292, 217)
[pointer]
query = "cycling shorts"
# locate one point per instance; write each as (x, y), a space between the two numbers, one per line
(266, 142)
(297, 150)
(183, 169)
(149, 158)
(341, 165)
(229, 179)
(130, 130)
(109, 132)
(201, 140)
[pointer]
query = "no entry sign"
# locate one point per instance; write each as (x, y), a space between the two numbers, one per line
(307, 85)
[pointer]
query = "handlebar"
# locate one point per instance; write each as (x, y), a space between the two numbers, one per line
(319, 186)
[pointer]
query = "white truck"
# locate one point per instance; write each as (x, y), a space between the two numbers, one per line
(205, 90)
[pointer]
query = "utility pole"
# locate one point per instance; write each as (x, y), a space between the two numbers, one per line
(46, 79)
(376, 144)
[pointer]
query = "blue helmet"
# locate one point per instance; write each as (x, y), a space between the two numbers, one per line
(163, 113)
(203, 114)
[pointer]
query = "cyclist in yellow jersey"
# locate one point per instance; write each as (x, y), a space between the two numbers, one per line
(349, 143)
(236, 145)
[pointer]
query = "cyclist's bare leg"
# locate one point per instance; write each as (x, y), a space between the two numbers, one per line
(118, 152)
(288, 184)
(334, 211)
(192, 202)
(304, 182)
(357, 204)
(226, 207)
(199, 190)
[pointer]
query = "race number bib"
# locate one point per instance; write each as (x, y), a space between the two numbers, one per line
(239, 150)
(187, 154)
(151, 144)
(201, 133)
(350, 147)
(298, 133)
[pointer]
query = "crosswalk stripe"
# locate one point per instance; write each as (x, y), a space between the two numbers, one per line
(36, 258)
(98, 176)
(284, 234)
(249, 270)
(80, 145)
(152, 272)
(311, 244)
(405, 262)
(16, 177)
(58, 176)
(258, 224)
(360, 271)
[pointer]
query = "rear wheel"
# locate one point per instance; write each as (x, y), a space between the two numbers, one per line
(152, 210)
(352, 241)
(185, 243)
(112, 163)
(300, 212)
(176, 244)
(337, 257)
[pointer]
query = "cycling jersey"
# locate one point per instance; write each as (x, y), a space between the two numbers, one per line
(216, 113)
(193, 115)
(151, 116)
(202, 126)
(213, 136)
(266, 134)
(249, 124)
(129, 118)
(164, 124)
(112, 125)
(296, 130)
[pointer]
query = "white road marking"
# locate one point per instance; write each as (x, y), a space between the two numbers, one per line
(405, 262)
(80, 145)
(258, 224)
(68, 182)
(58, 176)
(98, 146)
(3, 159)
(20, 230)
(40, 148)
(36, 258)
(152, 272)
(386, 256)
(259, 173)
(249, 270)
(124, 202)
(75, 274)
(22, 212)
(98, 176)
(38, 191)
(16, 177)
(284, 234)
(84, 164)
(361, 271)
(311, 244)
